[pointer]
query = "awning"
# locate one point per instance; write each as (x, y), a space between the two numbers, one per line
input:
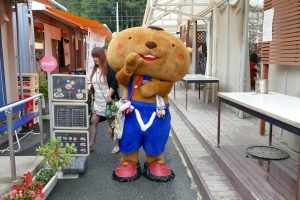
(68, 18)
(84, 23)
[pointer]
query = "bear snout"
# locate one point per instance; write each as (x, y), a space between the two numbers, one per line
(151, 45)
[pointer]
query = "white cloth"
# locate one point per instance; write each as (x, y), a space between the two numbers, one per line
(101, 90)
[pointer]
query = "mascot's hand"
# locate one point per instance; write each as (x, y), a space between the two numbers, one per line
(133, 61)
(149, 89)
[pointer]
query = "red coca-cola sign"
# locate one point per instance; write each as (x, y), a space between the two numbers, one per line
(48, 63)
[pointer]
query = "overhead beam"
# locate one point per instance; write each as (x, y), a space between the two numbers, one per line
(179, 13)
(183, 4)
(150, 13)
(161, 15)
(210, 8)
(173, 19)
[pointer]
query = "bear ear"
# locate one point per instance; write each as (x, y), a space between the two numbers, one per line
(114, 34)
(190, 50)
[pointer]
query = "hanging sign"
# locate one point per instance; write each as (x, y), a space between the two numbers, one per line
(48, 63)
(268, 25)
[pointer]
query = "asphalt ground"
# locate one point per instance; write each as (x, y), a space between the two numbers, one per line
(97, 183)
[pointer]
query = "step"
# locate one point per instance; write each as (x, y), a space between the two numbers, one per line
(209, 177)
(23, 164)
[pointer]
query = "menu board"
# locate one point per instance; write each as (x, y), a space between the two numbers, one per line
(78, 139)
(70, 115)
(67, 87)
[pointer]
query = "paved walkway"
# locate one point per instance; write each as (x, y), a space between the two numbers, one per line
(98, 184)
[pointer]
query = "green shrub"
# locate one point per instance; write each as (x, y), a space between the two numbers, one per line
(44, 176)
(43, 86)
(56, 154)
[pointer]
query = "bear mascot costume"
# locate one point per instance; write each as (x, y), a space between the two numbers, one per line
(147, 62)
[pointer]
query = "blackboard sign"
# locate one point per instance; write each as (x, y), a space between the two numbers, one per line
(70, 115)
(78, 139)
(69, 88)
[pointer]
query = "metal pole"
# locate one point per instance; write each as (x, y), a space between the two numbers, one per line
(32, 36)
(9, 106)
(270, 135)
(199, 90)
(117, 16)
(244, 57)
(219, 120)
(174, 90)
(11, 147)
(18, 47)
(50, 103)
(186, 95)
(194, 45)
(41, 121)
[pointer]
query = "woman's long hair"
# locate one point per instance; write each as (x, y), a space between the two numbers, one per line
(99, 53)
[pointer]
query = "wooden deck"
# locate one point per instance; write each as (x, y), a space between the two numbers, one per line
(253, 178)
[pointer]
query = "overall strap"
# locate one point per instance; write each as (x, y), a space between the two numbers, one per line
(132, 88)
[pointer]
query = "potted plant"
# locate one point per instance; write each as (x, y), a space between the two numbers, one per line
(56, 155)
(28, 189)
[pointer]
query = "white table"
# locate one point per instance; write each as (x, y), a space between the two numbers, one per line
(277, 109)
(196, 78)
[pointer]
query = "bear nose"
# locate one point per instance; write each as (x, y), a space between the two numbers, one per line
(151, 45)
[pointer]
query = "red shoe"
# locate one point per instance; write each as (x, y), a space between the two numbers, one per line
(158, 171)
(127, 172)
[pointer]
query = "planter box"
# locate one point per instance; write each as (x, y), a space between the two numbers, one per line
(50, 185)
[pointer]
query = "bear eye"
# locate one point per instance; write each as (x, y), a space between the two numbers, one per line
(129, 38)
(173, 45)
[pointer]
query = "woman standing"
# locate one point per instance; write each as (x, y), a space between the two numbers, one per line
(105, 87)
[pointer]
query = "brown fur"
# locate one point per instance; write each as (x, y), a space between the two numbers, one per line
(124, 57)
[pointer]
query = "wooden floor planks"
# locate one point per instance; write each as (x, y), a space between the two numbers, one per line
(265, 180)
(212, 177)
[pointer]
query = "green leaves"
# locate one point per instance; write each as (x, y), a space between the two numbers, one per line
(131, 12)
(43, 87)
(44, 176)
(56, 154)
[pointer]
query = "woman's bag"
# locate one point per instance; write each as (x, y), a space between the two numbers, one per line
(111, 110)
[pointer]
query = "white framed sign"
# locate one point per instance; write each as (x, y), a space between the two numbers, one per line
(76, 138)
(71, 88)
(70, 115)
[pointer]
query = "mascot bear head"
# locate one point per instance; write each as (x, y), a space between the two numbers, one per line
(164, 56)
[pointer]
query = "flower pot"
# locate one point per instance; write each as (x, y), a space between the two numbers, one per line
(50, 186)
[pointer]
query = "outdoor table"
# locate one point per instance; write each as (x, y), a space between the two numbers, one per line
(277, 109)
(196, 78)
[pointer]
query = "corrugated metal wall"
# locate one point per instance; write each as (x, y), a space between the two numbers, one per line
(23, 39)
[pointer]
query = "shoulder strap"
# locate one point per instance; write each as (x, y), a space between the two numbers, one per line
(132, 88)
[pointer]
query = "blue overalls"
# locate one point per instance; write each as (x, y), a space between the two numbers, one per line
(142, 127)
